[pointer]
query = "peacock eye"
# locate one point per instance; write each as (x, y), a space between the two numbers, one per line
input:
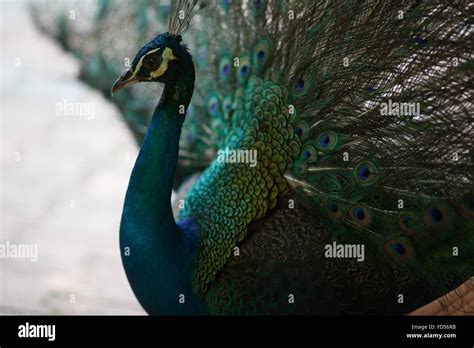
(151, 63)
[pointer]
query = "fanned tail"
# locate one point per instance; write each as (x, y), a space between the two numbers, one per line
(380, 100)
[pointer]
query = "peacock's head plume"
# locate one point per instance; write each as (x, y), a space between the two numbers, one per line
(164, 59)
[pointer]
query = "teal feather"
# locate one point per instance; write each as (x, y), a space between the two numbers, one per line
(244, 69)
(262, 53)
(225, 67)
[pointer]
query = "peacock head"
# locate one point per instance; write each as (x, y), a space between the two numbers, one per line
(163, 59)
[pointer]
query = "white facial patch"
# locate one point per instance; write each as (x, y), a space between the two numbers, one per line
(168, 56)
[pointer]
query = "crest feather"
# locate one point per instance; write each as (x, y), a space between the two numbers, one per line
(182, 12)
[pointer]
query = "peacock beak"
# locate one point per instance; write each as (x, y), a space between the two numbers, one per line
(123, 81)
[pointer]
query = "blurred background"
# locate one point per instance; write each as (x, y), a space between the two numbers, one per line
(66, 156)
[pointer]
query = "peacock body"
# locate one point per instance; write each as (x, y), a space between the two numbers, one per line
(360, 116)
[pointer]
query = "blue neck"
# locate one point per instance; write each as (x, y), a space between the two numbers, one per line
(159, 267)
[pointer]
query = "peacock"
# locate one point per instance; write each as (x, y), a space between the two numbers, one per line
(349, 185)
